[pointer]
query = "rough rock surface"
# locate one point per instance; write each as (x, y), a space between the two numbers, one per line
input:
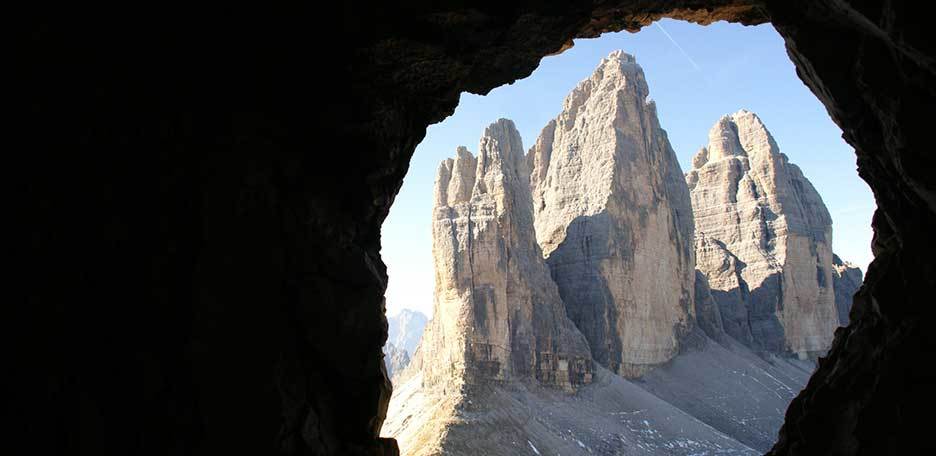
(405, 329)
(722, 274)
(708, 313)
(846, 279)
(395, 359)
(497, 314)
(748, 199)
(614, 220)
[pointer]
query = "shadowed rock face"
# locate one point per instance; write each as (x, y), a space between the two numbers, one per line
(722, 273)
(748, 200)
(846, 278)
(614, 220)
(497, 314)
(708, 313)
(179, 165)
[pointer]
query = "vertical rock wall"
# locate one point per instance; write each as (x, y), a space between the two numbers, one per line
(613, 218)
(765, 239)
(722, 271)
(497, 314)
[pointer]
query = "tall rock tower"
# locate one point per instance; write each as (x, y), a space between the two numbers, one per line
(764, 240)
(497, 314)
(614, 220)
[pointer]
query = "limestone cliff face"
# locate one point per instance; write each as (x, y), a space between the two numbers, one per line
(613, 217)
(765, 240)
(497, 314)
(846, 279)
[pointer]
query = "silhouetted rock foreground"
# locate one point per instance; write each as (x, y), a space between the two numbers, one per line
(608, 340)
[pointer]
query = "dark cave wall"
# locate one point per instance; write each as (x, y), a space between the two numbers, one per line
(201, 260)
(204, 191)
(872, 65)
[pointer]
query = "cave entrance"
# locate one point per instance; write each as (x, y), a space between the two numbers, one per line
(697, 76)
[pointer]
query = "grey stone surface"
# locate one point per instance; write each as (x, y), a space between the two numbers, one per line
(611, 416)
(764, 240)
(712, 398)
(727, 386)
(708, 314)
(497, 314)
(722, 271)
(484, 378)
(613, 217)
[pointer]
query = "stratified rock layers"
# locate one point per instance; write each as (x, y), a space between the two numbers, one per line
(613, 217)
(764, 240)
(497, 314)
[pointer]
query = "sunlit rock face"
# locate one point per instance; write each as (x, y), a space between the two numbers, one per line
(498, 315)
(846, 278)
(613, 217)
(765, 240)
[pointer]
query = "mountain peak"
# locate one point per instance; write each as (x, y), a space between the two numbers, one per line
(606, 187)
(741, 134)
(766, 213)
(620, 56)
(488, 266)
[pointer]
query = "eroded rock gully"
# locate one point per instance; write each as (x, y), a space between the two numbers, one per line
(203, 218)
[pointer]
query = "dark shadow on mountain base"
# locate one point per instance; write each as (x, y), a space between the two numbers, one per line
(763, 303)
(751, 318)
(574, 266)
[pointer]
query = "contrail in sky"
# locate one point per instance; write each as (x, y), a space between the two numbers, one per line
(683, 51)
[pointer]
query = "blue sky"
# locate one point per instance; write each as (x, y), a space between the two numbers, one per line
(696, 74)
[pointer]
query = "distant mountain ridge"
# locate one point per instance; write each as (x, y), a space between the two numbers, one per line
(395, 359)
(405, 329)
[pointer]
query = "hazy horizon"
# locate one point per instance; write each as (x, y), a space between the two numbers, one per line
(696, 74)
